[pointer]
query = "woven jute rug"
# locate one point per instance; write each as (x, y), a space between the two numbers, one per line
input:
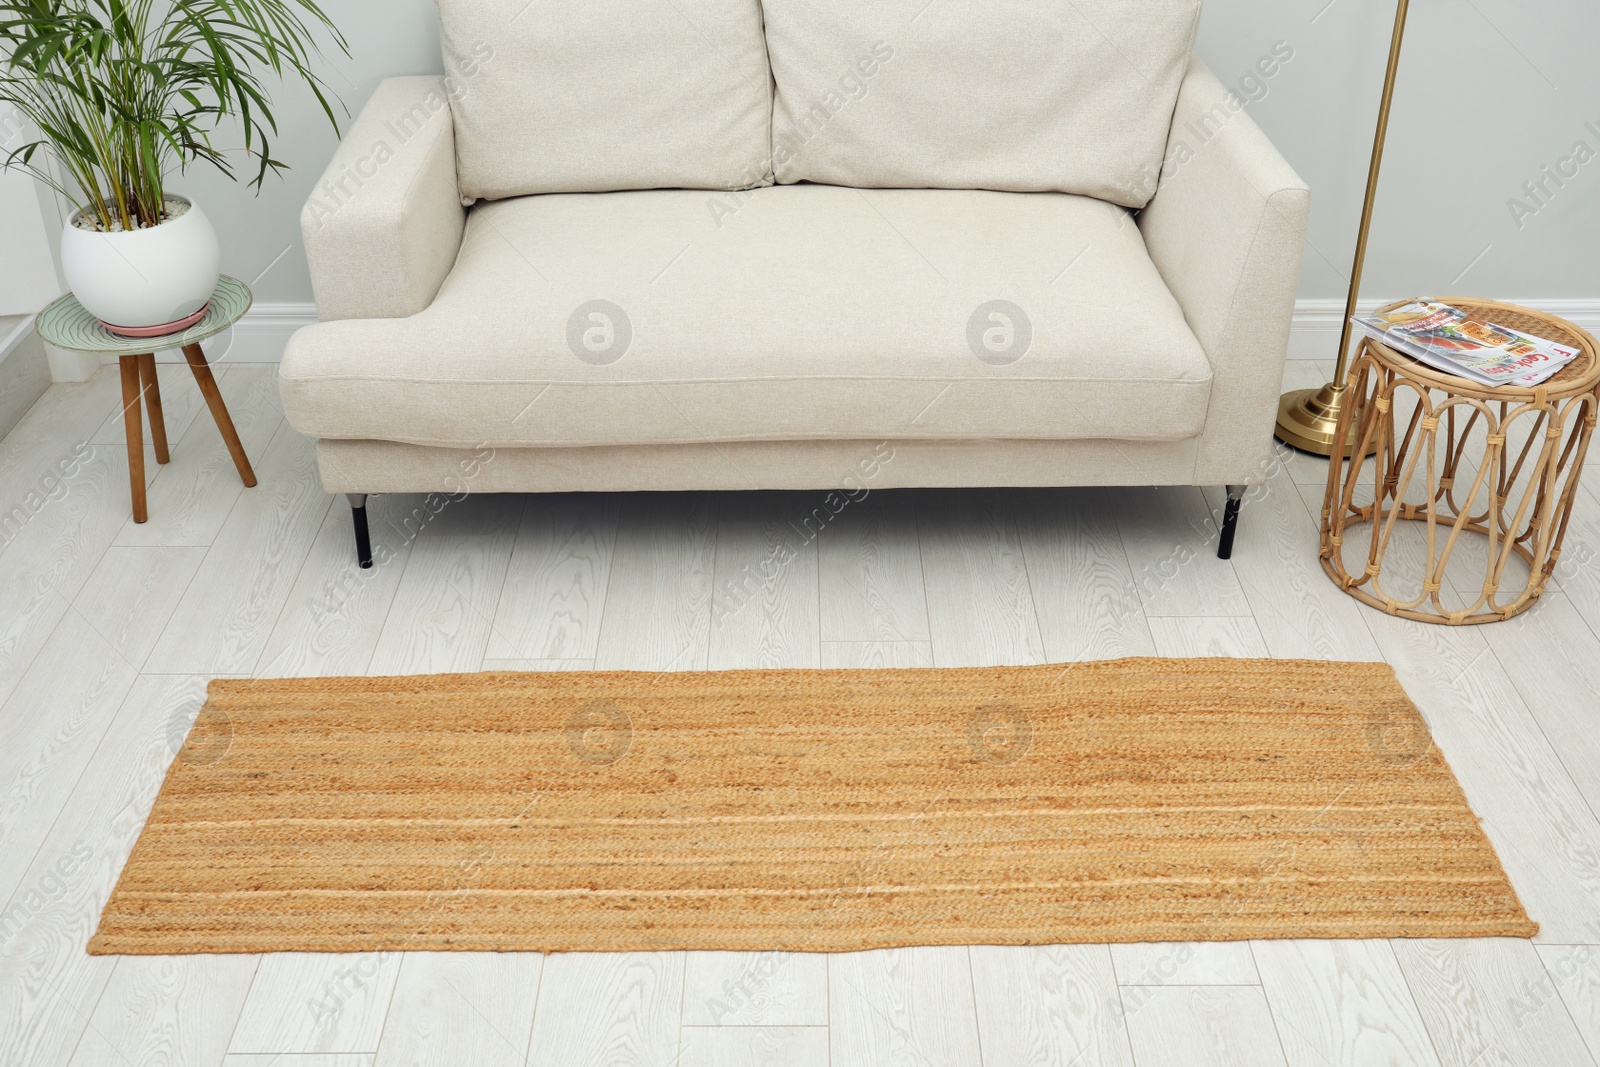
(1128, 800)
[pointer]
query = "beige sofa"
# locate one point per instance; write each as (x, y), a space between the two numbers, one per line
(734, 244)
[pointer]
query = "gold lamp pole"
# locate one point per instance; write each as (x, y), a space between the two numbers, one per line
(1307, 418)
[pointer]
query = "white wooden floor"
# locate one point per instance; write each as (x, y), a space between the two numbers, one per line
(109, 632)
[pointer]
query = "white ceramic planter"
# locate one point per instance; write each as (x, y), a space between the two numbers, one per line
(143, 279)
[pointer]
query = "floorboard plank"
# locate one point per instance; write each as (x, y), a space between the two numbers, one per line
(1302, 615)
(1170, 537)
(50, 557)
(1553, 661)
(317, 1002)
(597, 1009)
(273, 1059)
(556, 582)
(225, 618)
(48, 983)
(1487, 1003)
(1573, 972)
(1083, 590)
(903, 1005)
(1577, 573)
(1185, 963)
(133, 592)
(55, 434)
(166, 1010)
(538, 664)
(1342, 1004)
(443, 610)
(754, 1046)
(873, 654)
(1213, 1026)
(869, 566)
(980, 604)
(1196, 635)
(1049, 1006)
(764, 603)
(50, 728)
(755, 989)
(461, 1007)
(46, 1001)
(661, 572)
(335, 613)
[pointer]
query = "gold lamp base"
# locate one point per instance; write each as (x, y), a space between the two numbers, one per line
(1308, 419)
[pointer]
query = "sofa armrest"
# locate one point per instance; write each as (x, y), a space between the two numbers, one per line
(1225, 229)
(384, 223)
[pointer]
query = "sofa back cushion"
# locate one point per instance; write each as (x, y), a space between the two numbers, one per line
(1073, 96)
(591, 95)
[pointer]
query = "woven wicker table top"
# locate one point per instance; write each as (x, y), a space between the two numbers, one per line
(65, 324)
(1578, 376)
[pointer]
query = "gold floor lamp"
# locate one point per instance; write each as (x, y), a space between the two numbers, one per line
(1307, 418)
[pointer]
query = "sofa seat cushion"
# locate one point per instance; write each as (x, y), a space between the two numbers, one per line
(784, 313)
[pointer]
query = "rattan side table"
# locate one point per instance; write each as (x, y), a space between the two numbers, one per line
(1489, 472)
(65, 324)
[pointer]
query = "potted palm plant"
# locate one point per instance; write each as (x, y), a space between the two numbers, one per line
(121, 93)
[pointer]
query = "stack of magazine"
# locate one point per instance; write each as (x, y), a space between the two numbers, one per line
(1449, 339)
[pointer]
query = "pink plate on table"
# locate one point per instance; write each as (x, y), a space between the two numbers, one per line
(175, 326)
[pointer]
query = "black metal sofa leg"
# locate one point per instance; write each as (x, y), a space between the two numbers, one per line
(1230, 520)
(358, 513)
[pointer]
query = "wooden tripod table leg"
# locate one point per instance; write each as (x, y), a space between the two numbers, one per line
(219, 411)
(131, 421)
(152, 405)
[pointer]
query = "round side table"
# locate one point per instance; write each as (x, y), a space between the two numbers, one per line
(1490, 473)
(65, 324)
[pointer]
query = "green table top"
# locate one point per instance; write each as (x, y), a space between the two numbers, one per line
(65, 324)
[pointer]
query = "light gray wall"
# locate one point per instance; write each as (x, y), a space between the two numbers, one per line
(1489, 91)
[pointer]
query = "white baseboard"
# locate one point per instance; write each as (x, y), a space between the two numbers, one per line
(1317, 322)
(260, 336)
(24, 371)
